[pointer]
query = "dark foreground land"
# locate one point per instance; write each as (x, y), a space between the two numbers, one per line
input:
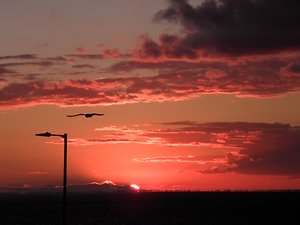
(152, 208)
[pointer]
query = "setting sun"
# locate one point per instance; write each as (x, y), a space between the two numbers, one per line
(135, 187)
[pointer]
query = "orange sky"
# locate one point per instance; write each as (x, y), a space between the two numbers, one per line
(190, 102)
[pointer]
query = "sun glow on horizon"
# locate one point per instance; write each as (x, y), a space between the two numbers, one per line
(135, 187)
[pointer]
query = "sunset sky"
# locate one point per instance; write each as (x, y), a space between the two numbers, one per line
(198, 94)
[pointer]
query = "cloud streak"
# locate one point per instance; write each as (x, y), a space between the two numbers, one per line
(251, 148)
(183, 159)
(167, 86)
(239, 147)
(19, 57)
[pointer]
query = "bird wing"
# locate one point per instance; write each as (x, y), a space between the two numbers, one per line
(79, 114)
(98, 114)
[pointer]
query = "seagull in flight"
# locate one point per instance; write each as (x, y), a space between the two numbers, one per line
(87, 115)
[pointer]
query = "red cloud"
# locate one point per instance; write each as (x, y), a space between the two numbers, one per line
(173, 81)
(5, 72)
(181, 81)
(200, 160)
(276, 152)
(263, 148)
(170, 47)
(218, 135)
(81, 50)
(113, 53)
(251, 148)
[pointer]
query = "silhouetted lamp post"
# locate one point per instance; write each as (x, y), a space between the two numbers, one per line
(65, 137)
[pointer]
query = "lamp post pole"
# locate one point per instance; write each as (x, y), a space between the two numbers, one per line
(65, 137)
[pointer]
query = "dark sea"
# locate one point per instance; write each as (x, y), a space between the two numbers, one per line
(152, 208)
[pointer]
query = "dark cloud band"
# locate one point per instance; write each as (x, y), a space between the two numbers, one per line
(233, 27)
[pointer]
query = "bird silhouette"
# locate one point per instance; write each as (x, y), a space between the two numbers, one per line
(87, 115)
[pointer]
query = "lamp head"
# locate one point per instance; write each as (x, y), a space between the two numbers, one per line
(46, 134)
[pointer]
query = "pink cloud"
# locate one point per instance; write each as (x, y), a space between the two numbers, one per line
(248, 148)
(113, 53)
(168, 86)
(5, 72)
(209, 56)
(173, 81)
(105, 53)
(81, 50)
(200, 160)
(252, 148)
(215, 135)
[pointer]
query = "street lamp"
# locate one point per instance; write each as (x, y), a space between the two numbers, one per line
(65, 137)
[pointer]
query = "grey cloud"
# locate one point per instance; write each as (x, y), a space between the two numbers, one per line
(235, 27)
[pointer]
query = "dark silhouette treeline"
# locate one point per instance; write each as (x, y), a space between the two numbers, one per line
(148, 208)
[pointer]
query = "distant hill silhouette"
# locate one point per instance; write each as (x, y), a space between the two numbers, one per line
(99, 187)
(106, 186)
